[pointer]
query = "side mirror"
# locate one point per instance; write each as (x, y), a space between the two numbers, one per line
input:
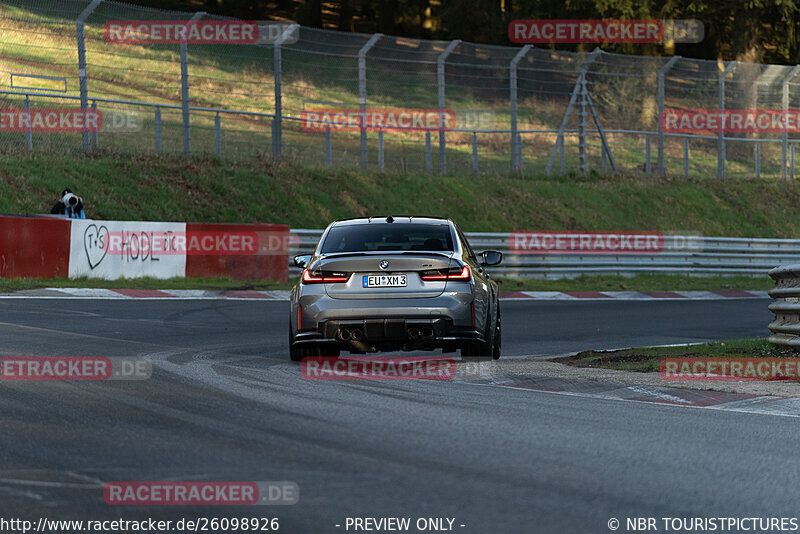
(302, 260)
(491, 257)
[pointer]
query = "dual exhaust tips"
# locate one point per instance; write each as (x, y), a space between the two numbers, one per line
(426, 332)
(356, 334)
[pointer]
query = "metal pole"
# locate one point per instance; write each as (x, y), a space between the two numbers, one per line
(81, 38)
(474, 152)
(362, 94)
(758, 158)
(184, 49)
(785, 108)
(440, 81)
(578, 89)
(28, 132)
(661, 73)
(277, 121)
(217, 135)
(95, 142)
(428, 154)
(328, 148)
(721, 135)
(516, 149)
(158, 130)
(561, 155)
(685, 157)
(582, 165)
(791, 161)
(380, 150)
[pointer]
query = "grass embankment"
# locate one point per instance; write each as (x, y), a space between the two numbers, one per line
(206, 189)
(648, 359)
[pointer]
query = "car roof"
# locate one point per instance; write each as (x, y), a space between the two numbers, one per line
(401, 219)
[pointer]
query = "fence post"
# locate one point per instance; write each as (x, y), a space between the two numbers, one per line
(217, 135)
(81, 38)
(721, 135)
(758, 158)
(184, 48)
(575, 92)
(562, 157)
(28, 132)
(277, 120)
(158, 130)
(328, 148)
(95, 141)
(474, 153)
(661, 73)
(582, 164)
(516, 149)
(362, 94)
(785, 108)
(440, 82)
(428, 154)
(685, 157)
(380, 150)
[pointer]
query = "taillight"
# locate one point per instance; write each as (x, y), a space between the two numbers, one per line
(319, 278)
(455, 273)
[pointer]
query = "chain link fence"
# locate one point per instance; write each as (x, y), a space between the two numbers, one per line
(524, 109)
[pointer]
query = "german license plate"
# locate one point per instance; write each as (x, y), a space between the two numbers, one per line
(384, 280)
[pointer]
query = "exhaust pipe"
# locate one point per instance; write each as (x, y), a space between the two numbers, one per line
(356, 334)
(344, 334)
(427, 332)
(413, 333)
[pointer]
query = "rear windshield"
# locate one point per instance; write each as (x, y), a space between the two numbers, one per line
(388, 237)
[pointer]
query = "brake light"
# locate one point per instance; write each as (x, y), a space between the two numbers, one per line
(309, 279)
(452, 274)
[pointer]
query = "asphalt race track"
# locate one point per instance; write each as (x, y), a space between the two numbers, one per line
(224, 403)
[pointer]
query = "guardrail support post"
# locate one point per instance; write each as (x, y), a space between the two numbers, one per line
(158, 130)
(721, 135)
(277, 120)
(28, 132)
(516, 149)
(217, 135)
(785, 108)
(328, 148)
(81, 38)
(440, 82)
(362, 94)
(184, 49)
(661, 73)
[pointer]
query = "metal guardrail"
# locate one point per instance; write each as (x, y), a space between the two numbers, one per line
(786, 307)
(681, 255)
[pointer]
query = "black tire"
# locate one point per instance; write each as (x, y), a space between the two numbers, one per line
(488, 349)
(498, 337)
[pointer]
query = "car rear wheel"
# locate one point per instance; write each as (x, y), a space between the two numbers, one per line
(488, 349)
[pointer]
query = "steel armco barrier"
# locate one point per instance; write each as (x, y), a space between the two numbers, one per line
(786, 307)
(682, 255)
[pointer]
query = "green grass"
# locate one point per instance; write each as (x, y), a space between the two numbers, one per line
(165, 188)
(648, 359)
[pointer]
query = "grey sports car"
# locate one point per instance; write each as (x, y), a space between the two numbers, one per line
(394, 284)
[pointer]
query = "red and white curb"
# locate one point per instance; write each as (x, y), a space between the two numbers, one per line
(283, 295)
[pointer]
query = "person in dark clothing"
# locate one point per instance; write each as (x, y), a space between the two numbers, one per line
(70, 205)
